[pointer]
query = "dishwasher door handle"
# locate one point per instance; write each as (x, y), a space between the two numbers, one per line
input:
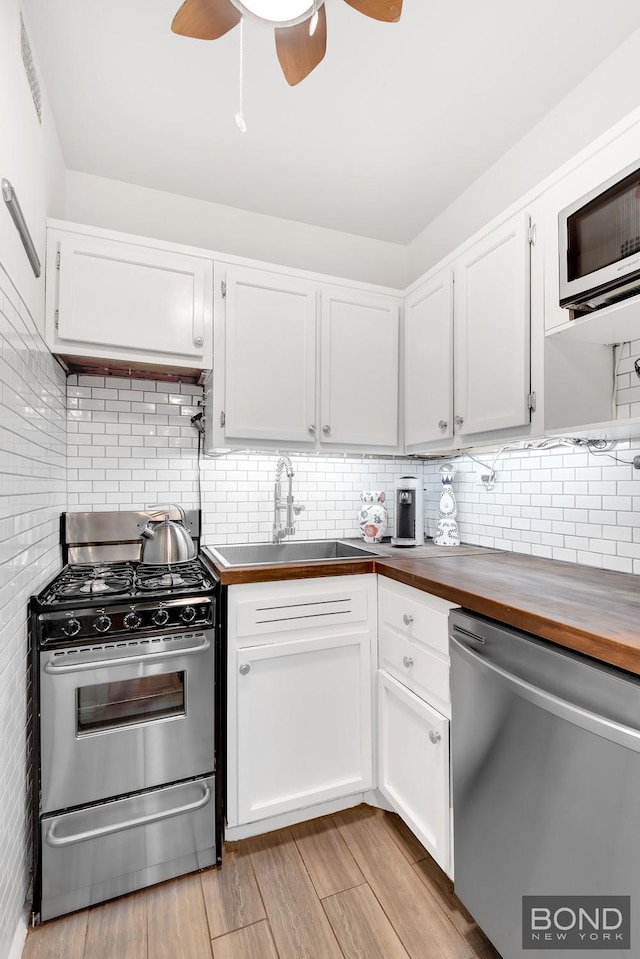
(606, 728)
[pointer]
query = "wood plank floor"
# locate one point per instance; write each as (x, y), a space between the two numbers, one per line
(356, 885)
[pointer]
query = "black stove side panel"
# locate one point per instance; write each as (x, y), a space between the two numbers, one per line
(221, 715)
(34, 735)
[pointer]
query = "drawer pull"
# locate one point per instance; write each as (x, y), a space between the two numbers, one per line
(435, 737)
(407, 619)
(407, 661)
(244, 669)
(57, 841)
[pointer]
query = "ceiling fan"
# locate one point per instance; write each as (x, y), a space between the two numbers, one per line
(300, 26)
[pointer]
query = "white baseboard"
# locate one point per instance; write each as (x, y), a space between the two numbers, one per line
(373, 797)
(19, 937)
(232, 833)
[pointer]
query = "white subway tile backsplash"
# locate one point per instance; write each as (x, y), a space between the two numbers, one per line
(32, 496)
(565, 502)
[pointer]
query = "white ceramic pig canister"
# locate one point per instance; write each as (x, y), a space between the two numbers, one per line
(373, 516)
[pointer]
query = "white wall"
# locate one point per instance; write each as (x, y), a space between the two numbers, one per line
(30, 158)
(32, 451)
(133, 209)
(608, 94)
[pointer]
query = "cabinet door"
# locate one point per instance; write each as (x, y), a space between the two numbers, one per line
(359, 371)
(413, 758)
(492, 331)
(118, 300)
(270, 356)
(428, 362)
(303, 724)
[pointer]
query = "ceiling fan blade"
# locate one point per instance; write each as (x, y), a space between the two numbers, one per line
(387, 10)
(205, 19)
(299, 53)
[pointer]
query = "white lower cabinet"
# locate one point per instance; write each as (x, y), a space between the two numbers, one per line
(414, 703)
(413, 756)
(300, 694)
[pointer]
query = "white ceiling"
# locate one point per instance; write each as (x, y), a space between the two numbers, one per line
(395, 122)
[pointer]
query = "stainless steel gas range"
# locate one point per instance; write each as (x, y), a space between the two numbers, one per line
(126, 717)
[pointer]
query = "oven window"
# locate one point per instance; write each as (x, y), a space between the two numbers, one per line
(140, 700)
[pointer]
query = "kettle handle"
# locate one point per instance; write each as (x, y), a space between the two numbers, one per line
(156, 510)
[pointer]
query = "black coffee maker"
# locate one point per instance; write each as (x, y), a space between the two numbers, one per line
(409, 512)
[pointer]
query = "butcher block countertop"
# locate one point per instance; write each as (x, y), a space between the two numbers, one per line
(592, 611)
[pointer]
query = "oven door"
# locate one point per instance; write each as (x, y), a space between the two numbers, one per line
(124, 716)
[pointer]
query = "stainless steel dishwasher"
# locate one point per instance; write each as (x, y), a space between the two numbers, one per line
(545, 751)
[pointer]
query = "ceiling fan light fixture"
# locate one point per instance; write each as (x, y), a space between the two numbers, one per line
(278, 12)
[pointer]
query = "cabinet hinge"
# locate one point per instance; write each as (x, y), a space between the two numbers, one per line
(56, 320)
(531, 401)
(223, 287)
(222, 418)
(58, 260)
(532, 233)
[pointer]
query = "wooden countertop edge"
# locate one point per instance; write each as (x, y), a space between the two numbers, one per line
(307, 570)
(607, 649)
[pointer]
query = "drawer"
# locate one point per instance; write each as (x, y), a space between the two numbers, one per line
(109, 849)
(422, 671)
(258, 613)
(416, 615)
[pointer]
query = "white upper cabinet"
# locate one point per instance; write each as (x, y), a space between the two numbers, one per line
(115, 297)
(492, 331)
(301, 364)
(359, 368)
(467, 345)
(269, 357)
(428, 362)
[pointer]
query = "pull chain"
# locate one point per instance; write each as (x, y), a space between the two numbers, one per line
(240, 123)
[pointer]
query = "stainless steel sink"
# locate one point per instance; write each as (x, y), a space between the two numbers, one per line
(269, 554)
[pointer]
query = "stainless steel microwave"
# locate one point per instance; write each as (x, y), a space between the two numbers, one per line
(599, 243)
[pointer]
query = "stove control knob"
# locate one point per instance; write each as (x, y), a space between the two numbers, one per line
(188, 614)
(71, 627)
(161, 616)
(132, 620)
(102, 623)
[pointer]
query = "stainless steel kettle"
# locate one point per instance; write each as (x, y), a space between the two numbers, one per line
(166, 542)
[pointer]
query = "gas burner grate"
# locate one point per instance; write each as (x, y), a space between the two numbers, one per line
(98, 586)
(91, 580)
(184, 576)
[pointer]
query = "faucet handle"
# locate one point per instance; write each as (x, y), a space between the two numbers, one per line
(298, 507)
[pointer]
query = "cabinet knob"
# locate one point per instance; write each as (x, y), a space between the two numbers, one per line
(407, 619)
(326, 429)
(442, 426)
(198, 340)
(312, 429)
(407, 662)
(458, 420)
(434, 736)
(244, 669)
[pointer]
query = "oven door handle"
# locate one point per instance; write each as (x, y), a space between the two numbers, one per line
(51, 666)
(59, 841)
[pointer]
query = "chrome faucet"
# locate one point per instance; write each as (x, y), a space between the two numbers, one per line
(280, 531)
